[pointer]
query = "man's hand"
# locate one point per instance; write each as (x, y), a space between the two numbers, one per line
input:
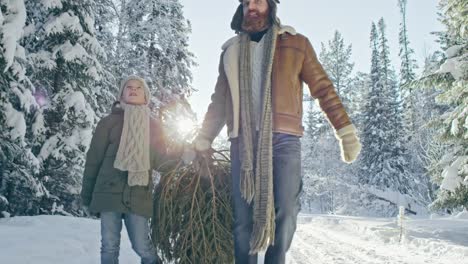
(349, 143)
(198, 146)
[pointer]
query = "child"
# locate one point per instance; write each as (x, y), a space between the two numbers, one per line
(117, 180)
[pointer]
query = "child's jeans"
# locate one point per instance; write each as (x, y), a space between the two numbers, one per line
(138, 232)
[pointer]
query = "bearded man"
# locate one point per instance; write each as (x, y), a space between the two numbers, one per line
(258, 95)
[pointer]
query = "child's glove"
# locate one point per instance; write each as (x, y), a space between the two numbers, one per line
(349, 143)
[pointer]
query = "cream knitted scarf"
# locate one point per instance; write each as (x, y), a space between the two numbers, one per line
(134, 149)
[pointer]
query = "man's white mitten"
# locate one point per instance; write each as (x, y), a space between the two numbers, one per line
(349, 143)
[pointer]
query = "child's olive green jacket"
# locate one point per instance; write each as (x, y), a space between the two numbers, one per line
(104, 187)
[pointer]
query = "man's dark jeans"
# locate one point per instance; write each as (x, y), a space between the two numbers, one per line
(287, 185)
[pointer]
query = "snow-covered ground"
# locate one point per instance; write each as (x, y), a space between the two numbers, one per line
(319, 239)
(345, 240)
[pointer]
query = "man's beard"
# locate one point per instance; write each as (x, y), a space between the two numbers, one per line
(257, 24)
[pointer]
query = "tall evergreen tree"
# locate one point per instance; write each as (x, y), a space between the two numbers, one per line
(112, 31)
(407, 68)
(335, 58)
(427, 149)
(373, 133)
(169, 58)
(397, 159)
(150, 38)
(452, 79)
(384, 159)
(21, 191)
(412, 109)
(59, 80)
(65, 67)
(158, 35)
(408, 63)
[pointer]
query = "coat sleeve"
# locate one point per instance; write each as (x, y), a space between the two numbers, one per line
(322, 89)
(215, 117)
(94, 158)
(161, 160)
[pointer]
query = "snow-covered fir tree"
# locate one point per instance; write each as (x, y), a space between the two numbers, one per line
(112, 32)
(396, 135)
(107, 25)
(451, 78)
(427, 149)
(150, 38)
(335, 58)
(65, 67)
(373, 133)
(59, 81)
(406, 53)
(407, 67)
(415, 112)
(384, 161)
(21, 191)
(108, 82)
(158, 36)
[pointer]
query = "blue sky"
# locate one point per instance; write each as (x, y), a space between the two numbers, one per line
(316, 19)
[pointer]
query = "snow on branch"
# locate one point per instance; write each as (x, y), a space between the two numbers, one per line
(42, 59)
(78, 101)
(48, 4)
(93, 45)
(71, 52)
(64, 22)
(26, 98)
(15, 121)
(11, 29)
(453, 66)
(450, 174)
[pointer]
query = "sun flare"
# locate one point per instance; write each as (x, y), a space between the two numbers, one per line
(185, 126)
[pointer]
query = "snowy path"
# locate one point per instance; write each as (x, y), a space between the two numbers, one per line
(320, 239)
(328, 246)
(347, 240)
